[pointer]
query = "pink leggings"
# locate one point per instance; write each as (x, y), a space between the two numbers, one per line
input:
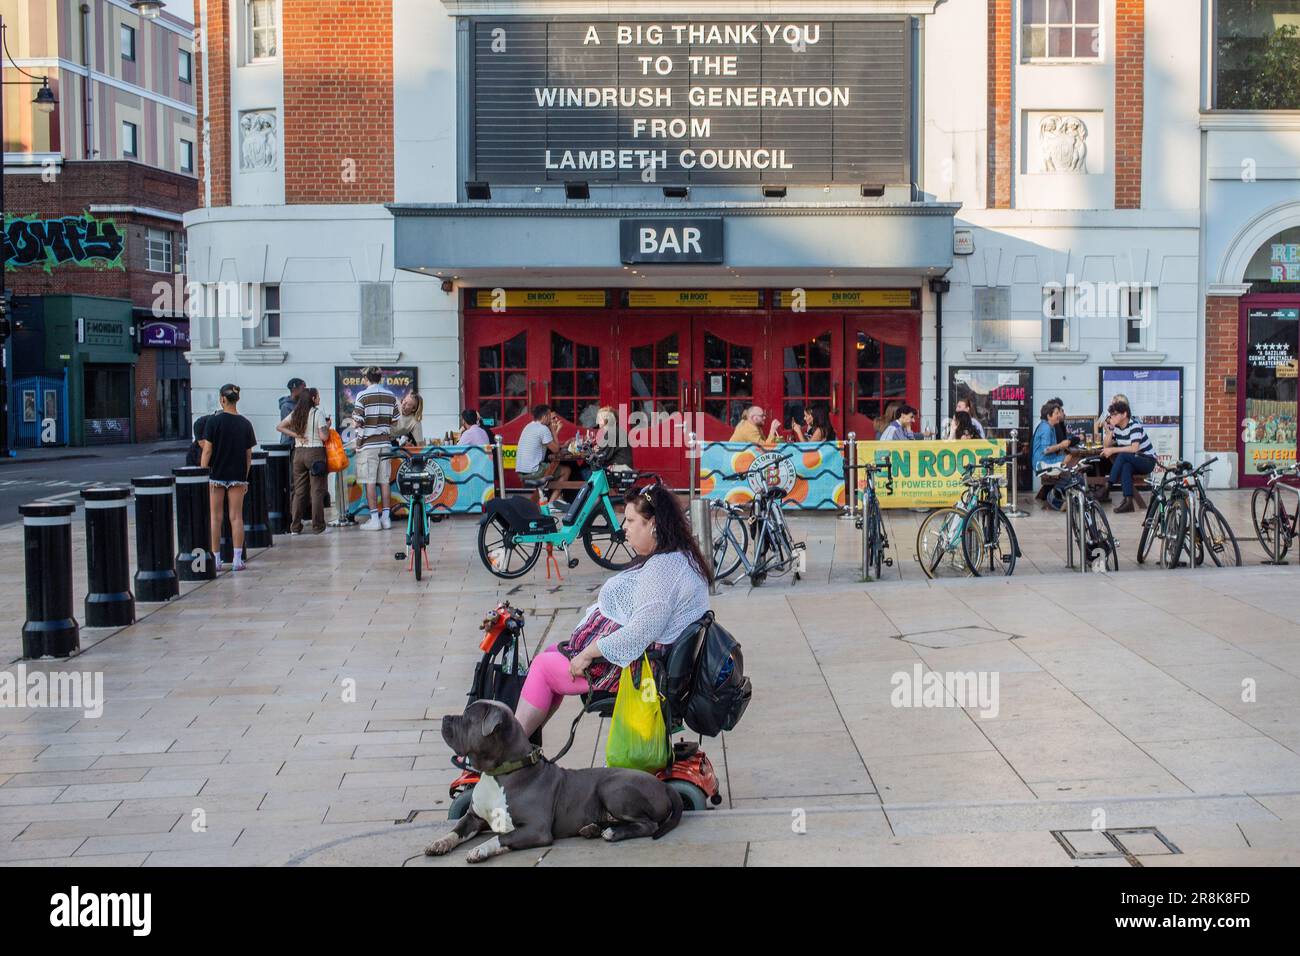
(548, 680)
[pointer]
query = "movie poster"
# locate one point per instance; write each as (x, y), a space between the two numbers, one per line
(1268, 430)
(1001, 399)
(349, 383)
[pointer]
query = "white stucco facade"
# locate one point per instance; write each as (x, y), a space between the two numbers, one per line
(1196, 226)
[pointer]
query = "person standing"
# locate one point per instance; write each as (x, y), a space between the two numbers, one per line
(306, 426)
(1130, 451)
(288, 403)
(374, 414)
(410, 421)
(228, 442)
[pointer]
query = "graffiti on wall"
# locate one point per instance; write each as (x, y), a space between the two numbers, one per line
(33, 242)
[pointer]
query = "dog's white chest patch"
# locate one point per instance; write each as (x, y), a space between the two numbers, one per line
(489, 803)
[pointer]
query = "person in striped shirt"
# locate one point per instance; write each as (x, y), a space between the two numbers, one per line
(1130, 452)
(373, 415)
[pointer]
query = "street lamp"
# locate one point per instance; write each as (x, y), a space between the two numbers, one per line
(149, 9)
(45, 101)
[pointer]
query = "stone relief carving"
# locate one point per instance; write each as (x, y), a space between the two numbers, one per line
(258, 145)
(1061, 144)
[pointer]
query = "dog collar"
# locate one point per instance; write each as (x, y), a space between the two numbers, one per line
(534, 757)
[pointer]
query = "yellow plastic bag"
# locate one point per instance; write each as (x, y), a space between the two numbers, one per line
(637, 737)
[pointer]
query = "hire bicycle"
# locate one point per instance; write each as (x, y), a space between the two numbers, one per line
(513, 529)
(421, 481)
(769, 477)
(1275, 527)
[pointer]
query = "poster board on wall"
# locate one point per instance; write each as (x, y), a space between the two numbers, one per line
(1155, 395)
(1000, 399)
(349, 383)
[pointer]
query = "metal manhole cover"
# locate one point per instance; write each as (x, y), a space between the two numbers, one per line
(1126, 843)
(958, 637)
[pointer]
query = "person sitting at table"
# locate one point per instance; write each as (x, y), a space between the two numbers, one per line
(1046, 449)
(1131, 453)
(964, 406)
(816, 425)
(610, 436)
(1099, 429)
(900, 429)
(750, 429)
(472, 431)
(962, 427)
(536, 441)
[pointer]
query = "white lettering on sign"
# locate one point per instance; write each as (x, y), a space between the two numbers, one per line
(654, 243)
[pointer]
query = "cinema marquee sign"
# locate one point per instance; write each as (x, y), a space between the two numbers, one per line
(690, 101)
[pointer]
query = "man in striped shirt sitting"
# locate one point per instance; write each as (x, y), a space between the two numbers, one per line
(373, 416)
(1130, 452)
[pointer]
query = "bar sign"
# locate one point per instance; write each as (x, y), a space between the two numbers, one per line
(695, 239)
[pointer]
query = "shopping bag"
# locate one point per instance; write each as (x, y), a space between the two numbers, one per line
(335, 457)
(637, 737)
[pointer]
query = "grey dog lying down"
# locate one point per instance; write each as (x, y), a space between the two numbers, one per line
(532, 803)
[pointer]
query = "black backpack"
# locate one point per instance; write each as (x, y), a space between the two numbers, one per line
(708, 689)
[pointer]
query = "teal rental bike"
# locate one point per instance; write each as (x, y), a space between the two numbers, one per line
(421, 481)
(513, 529)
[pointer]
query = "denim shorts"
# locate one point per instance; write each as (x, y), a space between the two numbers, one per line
(226, 484)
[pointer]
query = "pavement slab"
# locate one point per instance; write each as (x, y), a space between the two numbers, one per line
(290, 714)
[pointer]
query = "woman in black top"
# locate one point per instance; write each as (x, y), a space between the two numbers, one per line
(228, 442)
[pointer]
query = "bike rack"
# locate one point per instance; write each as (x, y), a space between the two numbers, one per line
(1014, 510)
(850, 478)
(698, 508)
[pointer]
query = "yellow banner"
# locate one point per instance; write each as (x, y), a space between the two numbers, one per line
(846, 298)
(692, 298)
(927, 474)
(539, 298)
(508, 457)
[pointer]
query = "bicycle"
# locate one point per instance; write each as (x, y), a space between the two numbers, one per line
(421, 482)
(1087, 529)
(1194, 524)
(996, 548)
(775, 553)
(875, 539)
(939, 539)
(1273, 526)
(513, 529)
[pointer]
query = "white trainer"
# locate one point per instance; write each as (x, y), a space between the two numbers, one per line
(385, 521)
(372, 524)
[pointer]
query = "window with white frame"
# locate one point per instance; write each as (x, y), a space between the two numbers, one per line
(208, 318)
(1135, 311)
(182, 250)
(1056, 316)
(129, 140)
(1060, 29)
(158, 243)
(991, 325)
(261, 30)
(185, 66)
(376, 310)
(270, 324)
(187, 156)
(127, 39)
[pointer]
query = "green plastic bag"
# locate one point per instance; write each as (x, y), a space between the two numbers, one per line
(637, 737)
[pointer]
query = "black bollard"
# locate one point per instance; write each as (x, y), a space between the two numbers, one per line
(194, 560)
(278, 500)
(50, 629)
(257, 534)
(155, 543)
(108, 558)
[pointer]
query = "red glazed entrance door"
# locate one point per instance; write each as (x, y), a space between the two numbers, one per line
(882, 366)
(651, 392)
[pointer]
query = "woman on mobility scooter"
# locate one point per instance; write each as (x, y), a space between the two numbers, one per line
(642, 609)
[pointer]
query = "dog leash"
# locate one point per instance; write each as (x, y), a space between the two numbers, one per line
(573, 727)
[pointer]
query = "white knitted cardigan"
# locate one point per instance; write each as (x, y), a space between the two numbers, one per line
(650, 604)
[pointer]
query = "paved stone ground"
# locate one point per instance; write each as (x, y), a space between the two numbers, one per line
(1119, 695)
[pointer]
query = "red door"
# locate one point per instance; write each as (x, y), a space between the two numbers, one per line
(805, 357)
(882, 366)
(576, 368)
(651, 386)
(500, 370)
(731, 371)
